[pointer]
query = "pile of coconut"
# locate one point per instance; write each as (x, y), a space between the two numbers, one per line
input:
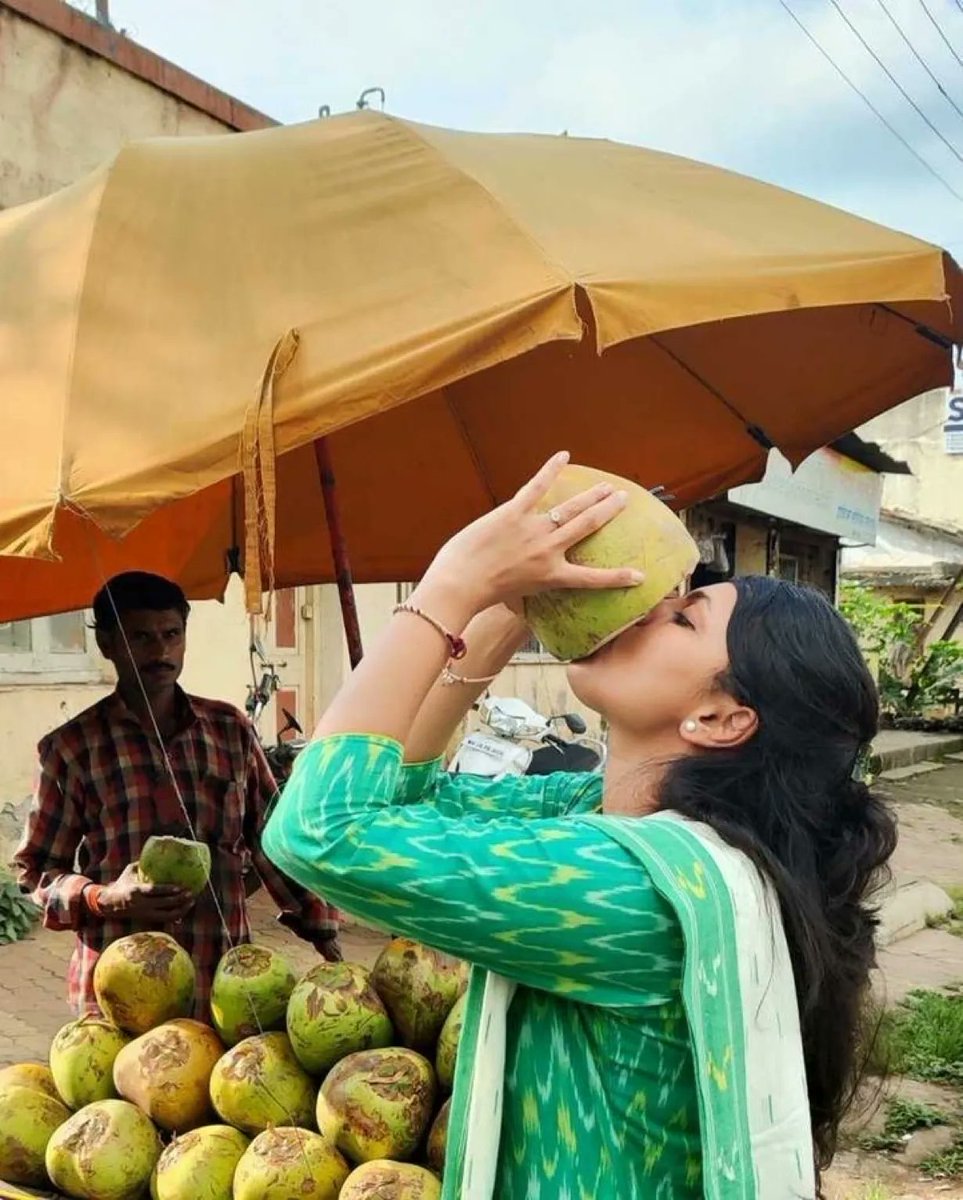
(333, 1085)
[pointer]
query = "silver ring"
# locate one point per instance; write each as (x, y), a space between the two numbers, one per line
(555, 517)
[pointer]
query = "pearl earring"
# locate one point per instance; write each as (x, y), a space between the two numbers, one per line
(690, 726)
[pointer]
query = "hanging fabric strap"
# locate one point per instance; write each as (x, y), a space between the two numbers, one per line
(259, 468)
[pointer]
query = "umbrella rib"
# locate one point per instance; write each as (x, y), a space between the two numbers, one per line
(469, 446)
(756, 432)
(924, 331)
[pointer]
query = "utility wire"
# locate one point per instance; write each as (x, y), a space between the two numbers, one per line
(892, 78)
(919, 58)
(933, 22)
(869, 104)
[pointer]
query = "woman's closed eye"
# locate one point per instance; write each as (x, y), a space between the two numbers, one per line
(680, 618)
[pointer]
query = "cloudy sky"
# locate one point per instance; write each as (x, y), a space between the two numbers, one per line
(733, 82)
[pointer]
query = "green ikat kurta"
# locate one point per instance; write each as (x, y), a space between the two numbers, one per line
(600, 1098)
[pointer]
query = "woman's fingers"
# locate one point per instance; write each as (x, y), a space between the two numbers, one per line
(562, 514)
(529, 494)
(598, 512)
(595, 578)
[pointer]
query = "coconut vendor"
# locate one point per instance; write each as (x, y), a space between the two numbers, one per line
(682, 946)
(149, 759)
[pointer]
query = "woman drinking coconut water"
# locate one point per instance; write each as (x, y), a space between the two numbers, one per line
(689, 938)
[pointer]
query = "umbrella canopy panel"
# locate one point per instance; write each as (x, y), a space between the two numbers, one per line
(464, 305)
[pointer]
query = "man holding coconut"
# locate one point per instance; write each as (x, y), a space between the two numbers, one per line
(148, 759)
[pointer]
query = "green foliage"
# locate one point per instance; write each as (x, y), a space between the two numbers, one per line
(912, 679)
(17, 912)
(945, 1164)
(903, 1117)
(922, 1037)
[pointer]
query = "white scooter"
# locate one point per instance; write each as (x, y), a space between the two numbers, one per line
(523, 742)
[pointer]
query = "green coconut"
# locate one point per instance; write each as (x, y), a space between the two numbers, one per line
(166, 1072)
(28, 1120)
(384, 1100)
(333, 1011)
(199, 1165)
(438, 1139)
(181, 862)
(447, 1053)
(250, 993)
(259, 1083)
(384, 1180)
(34, 1075)
(419, 987)
(283, 1163)
(106, 1151)
(82, 1060)
(143, 980)
(647, 535)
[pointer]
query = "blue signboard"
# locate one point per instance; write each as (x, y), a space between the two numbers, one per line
(953, 428)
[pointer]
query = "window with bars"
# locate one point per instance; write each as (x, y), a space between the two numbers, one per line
(533, 648)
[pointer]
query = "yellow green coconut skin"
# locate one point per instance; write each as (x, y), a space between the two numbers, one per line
(574, 623)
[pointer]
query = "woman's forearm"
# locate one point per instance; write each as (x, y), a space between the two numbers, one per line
(386, 691)
(513, 551)
(493, 637)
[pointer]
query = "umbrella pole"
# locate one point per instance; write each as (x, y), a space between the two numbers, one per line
(339, 551)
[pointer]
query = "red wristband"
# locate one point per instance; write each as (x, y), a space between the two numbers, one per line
(91, 897)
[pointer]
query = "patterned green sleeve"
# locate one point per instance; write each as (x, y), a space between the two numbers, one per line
(514, 796)
(549, 901)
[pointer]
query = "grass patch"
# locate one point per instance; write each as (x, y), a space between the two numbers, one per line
(872, 1191)
(903, 1117)
(952, 921)
(946, 1163)
(922, 1038)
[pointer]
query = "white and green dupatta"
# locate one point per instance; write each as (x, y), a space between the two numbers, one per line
(740, 1003)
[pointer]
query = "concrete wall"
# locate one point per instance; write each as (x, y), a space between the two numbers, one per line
(934, 492)
(26, 713)
(65, 110)
(218, 636)
(914, 432)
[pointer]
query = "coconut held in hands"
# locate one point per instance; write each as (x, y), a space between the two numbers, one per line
(647, 535)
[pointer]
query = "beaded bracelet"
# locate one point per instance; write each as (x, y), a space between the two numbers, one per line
(456, 645)
(450, 679)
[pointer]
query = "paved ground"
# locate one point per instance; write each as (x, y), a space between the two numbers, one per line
(32, 975)
(930, 809)
(896, 747)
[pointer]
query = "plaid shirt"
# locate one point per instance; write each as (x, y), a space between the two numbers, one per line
(104, 787)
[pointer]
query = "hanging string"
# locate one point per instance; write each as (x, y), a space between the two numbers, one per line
(88, 522)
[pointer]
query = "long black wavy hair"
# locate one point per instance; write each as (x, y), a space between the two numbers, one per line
(789, 799)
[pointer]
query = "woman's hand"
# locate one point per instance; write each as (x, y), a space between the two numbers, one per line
(510, 553)
(516, 551)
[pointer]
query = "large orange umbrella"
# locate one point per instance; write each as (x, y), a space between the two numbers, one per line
(445, 309)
